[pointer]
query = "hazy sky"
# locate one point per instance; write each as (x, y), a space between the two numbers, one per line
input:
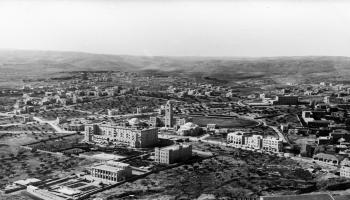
(177, 28)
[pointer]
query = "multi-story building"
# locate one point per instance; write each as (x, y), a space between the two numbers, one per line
(154, 122)
(132, 136)
(326, 99)
(254, 142)
(236, 139)
(172, 154)
(111, 171)
(272, 144)
(168, 115)
(181, 121)
(345, 168)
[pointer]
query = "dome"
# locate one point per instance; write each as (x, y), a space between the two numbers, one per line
(189, 125)
(134, 121)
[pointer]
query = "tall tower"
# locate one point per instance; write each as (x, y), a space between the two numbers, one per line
(168, 114)
(90, 130)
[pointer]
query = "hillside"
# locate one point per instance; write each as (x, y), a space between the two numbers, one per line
(15, 65)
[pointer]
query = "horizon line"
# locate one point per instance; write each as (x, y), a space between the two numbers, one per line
(172, 56)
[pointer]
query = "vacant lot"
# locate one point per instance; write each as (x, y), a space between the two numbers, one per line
(34, 127)
(224, 122)
(26, 164)
(66, 114)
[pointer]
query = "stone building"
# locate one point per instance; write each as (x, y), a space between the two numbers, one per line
(172, 154)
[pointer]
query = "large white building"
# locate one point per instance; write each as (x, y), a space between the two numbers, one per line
(345, 168)
(111, 171)
(254, 142)
(172, 154)
(236, 139)
(189, 129)
(131, 136)
(272, 144)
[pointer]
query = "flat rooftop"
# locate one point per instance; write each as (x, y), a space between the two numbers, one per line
(107, 168)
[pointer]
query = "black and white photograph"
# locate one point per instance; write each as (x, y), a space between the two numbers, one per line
(174, 100)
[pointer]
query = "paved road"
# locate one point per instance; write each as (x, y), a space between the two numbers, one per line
(14, 124)
(262, 122)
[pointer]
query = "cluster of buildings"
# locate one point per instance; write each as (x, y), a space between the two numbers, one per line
(254, 142)
(201, 90)
(183, 126)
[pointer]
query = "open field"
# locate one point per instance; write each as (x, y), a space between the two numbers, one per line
(36, 127)
(10, 120)
(26, 164)
(223, 122)
(10, 142)
(66, 114)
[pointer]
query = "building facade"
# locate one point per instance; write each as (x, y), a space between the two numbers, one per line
(111, 171)
(345, 168)
(131, 136)
(189, 129)
(168, 115)
(254, 142)
(154, 122)
(172, 154)
(236, 139)
(272, 144)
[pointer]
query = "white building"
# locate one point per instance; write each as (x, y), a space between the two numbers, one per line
(132, 136)
(345, 168)
(254, 142)
(189, 129)
(111, 172)
(172, 154)
(236, 139)
(272, 144)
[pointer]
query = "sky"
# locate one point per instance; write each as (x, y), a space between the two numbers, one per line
(235, 28)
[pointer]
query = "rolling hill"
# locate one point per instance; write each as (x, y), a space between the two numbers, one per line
(20, 64)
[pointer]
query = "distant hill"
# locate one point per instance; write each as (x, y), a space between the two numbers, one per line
(18, 64)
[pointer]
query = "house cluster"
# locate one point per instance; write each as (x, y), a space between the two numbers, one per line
(51, 97)
(183, 126)
(201, 90)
